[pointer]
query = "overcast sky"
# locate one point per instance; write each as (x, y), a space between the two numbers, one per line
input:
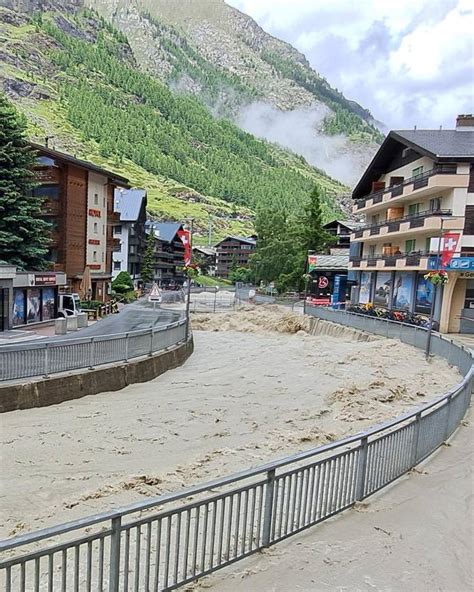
(409, 62)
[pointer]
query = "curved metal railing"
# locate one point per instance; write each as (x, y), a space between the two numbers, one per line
(43, 359)
(168, 541)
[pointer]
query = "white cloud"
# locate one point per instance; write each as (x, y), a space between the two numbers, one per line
(408, 62)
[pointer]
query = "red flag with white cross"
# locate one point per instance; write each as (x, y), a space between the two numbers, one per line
(185, 237)
(449, 245)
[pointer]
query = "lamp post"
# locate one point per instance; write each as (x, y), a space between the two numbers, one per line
(435, 291)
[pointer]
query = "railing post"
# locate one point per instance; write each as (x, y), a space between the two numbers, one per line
(416, 439)
(126, 347)
(150, 353)
(114, 579)
(268, 515)
(46, 361)
(361, 469)
(448, 416)
(91, 354)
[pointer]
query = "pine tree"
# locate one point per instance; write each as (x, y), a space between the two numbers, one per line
(148, 265)
(23, 234)
(314, 236)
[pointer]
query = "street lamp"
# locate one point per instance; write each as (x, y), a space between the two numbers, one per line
(188, 285)
(433, 301)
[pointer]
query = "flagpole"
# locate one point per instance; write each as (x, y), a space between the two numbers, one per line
(188, 298)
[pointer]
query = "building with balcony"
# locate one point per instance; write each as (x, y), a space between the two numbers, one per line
(233, 251)
(419, 185)
(129, 234)
(79, 204)
(169, 253)
(341, 230)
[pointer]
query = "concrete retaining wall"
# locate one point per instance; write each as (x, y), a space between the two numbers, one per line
(112, 377)
(322, 327)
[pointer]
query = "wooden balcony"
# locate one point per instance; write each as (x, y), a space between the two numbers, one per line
(51, 208)
(47, 175)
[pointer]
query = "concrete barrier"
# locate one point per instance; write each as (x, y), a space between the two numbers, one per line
(74, 385)
(323, 327)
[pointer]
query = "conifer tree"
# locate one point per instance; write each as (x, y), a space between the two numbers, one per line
(148, 265)
(23, 234)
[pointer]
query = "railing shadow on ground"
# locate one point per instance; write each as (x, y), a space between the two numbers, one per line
(165, 542)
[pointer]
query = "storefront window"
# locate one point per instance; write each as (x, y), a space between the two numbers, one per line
(383, 289)
(33, 310)
(365, 287)
(424, 295)
(47, 304)
(403, 290)
(19, 307)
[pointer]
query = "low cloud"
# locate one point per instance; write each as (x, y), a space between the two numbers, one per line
(300, 131)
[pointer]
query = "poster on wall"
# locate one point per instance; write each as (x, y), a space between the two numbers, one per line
(18, 307)
(424, 295)
(403, 290)
(33, 312)
(365, 287)
(383, 289)
(47, 304)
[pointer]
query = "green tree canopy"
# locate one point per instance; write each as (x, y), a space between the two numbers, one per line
(23, 233)
(148, 265)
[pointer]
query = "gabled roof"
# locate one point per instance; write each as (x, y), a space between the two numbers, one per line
(128, 203)
(350, 224)
(242, 239)
(440, 145)
(332, 261)
(166, 231)
(43, 150)
(205, 250)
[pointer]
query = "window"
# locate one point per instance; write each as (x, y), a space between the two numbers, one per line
(428, 245)
(375, 219)
(372, 251)
(116, 265)
(410, 245)
(52, 255)
(95, 227)
(417, 172)
(96, 199)
(47, 191)
(118, 229)
(413, 209)
(435, 204)
(94, 256)
(102, 256)
(45, 161)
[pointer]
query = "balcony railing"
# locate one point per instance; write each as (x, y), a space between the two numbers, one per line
(416, 221)
(412, 258)
(417, 181)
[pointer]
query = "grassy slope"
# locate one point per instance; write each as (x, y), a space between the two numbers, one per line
(47, 117)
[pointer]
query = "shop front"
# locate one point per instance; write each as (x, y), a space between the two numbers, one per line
(35, 297)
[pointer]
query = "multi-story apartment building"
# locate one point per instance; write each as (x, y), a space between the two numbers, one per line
(130, 204)
(233, 251)
(419, 185)
(169, 253)
(79, 203)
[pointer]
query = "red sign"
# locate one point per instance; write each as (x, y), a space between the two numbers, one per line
(94, 266)
(321, 301)
(450, 243)
(45, 280)
(185, 237)
(323, 282)
(94, 241)
(95, 213)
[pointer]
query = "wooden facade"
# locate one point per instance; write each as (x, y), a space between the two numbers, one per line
(231, 252)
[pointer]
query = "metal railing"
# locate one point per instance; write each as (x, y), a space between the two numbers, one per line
(166, 542)
(43, 359)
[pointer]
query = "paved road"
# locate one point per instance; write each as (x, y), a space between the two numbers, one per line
(139, 315)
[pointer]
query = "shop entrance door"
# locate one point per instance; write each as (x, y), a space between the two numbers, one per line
(3, 309)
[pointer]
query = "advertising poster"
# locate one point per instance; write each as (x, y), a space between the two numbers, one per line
(383, 289)
(19, 307)
(47, 304)
(33, 312)
(365, 287)
(424, 295)
(403, 290)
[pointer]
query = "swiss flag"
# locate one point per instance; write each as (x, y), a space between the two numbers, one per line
(449, 244)
(185, 237)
